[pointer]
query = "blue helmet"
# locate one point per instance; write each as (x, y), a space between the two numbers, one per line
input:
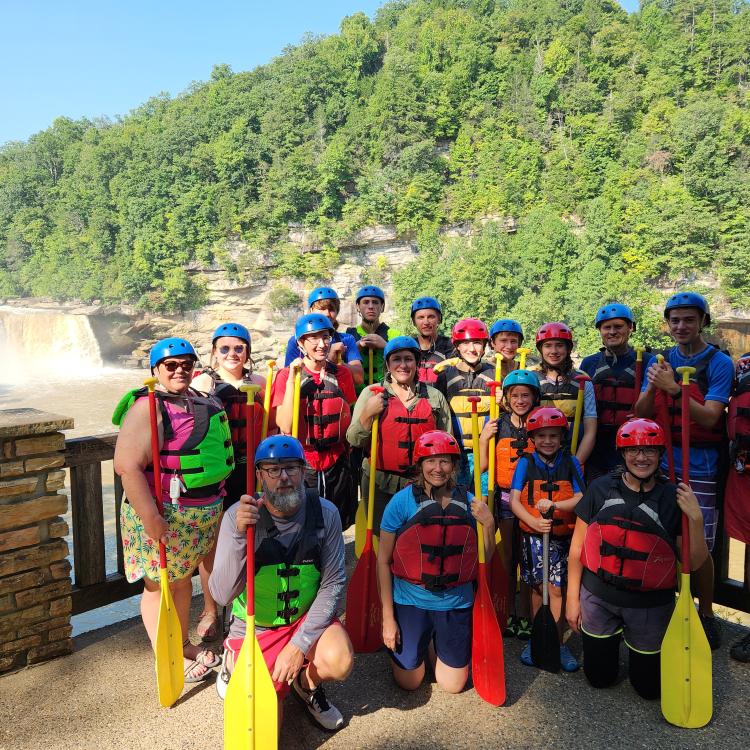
(522, 377)
(232, 329)
(506, 325)
(688, 299)
(371, 291)
(312, 323)
(612, 311)
(399, 344)
(171, 347)
(320, 293)
(278, 448)
(426, 303)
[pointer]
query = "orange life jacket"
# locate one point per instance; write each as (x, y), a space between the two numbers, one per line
(511, 444)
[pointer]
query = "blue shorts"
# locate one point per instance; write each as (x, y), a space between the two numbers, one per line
(450, 629)
(532, 567)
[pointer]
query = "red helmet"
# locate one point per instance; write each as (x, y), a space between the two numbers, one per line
(550, 331)
(546, 416)
(435, 443)
(469, 329)
(640, 432)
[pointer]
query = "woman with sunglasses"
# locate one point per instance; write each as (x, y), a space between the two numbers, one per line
(622, 568)
(231, 367)
(195, 459)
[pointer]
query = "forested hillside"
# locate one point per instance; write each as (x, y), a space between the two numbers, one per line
(619, 143)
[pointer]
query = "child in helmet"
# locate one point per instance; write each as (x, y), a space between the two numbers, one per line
(343, 349)
(548, 479)
(427, 597)
(326, 395)
(614, 592)
(520, 397)
(407, 408)
(554, 341)
(506, 336)
(470, 377)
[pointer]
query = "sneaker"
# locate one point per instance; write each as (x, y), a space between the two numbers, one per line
(567, 661)
(324, 713)
(526, 656)
(222, 679)
(741, 649)
(523, 630)
(713, 631)
(511, 629)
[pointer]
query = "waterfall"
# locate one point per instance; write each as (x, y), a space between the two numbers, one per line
(33, 341)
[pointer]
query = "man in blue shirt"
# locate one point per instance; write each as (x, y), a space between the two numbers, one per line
(687, 314)
(614, 373)
(344, 349)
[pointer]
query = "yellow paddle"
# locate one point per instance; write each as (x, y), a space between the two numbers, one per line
(250, 705)
(450, 362)
(170, 675)
(295, 402)
(581, 379)
(266, 407)
(686, 679)
(522, 352)
(360, 519)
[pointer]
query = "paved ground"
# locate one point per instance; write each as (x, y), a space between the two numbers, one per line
(103, 696)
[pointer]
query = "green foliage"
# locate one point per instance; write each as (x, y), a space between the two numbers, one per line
(619, 143)
(282, 297)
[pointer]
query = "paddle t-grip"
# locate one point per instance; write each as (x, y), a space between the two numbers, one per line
(522, 354)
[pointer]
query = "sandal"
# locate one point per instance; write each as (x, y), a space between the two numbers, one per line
(208, 625)
(198, 668)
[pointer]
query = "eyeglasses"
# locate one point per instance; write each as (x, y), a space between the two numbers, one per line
(238, 349)
(292, 470)
(648, 451)
(324, 339)
(174, 364)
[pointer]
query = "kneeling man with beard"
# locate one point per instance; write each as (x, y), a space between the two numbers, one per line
(299, 581)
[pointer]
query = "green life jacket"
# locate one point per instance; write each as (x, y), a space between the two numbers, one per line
(287, 579)
(204, 457)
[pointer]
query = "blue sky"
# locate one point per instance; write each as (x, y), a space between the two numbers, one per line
(88, 58)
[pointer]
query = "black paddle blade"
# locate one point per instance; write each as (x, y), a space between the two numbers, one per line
(545, 644)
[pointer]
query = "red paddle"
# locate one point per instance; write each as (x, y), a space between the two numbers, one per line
(487, 657)
(364, 613)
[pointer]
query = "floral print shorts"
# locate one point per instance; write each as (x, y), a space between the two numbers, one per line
(191, 534)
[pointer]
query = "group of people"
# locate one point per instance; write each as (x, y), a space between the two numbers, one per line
(580, 465)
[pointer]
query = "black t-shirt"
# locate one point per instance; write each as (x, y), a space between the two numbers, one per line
(670, 515)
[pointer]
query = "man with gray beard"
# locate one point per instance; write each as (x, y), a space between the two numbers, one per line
(299, 581)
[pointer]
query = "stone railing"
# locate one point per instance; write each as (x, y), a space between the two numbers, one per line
(35, 585)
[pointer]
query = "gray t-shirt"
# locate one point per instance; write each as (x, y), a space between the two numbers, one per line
(228, 578)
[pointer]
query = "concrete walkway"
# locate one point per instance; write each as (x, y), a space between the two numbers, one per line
(104, 696)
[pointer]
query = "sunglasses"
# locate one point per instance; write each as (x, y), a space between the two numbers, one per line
(238, 349)
(173, 365)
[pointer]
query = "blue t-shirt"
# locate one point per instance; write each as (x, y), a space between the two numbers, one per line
(351, 350)
(519, 475)
(400, 508)
(720, 374)
(605, 456)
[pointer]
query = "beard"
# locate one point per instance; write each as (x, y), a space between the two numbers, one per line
(287, 502)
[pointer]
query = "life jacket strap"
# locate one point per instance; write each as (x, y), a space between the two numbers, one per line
(622, 553)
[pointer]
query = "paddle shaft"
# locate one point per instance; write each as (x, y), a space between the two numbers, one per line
(581, 380)
(295, 402)
(156, 466)
(370, 368)
(491, 458)
(474, 400)
(666, 425)
(685, 433)
(250, 391)
(638, 373)
(266, 409)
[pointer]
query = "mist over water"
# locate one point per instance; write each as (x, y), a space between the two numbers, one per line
(51, 362)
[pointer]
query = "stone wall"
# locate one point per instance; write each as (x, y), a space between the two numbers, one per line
(35, 585)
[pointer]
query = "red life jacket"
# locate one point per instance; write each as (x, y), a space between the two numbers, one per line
(325, 413)
(425, 369)
(399, 430)
(738, 418)
(511, 443)
(554, 484)
(700, 437)
(627, 546)
(235, 402)
(437, 547)
(615, 392)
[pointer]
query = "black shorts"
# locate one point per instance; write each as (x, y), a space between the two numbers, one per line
(337, 485)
